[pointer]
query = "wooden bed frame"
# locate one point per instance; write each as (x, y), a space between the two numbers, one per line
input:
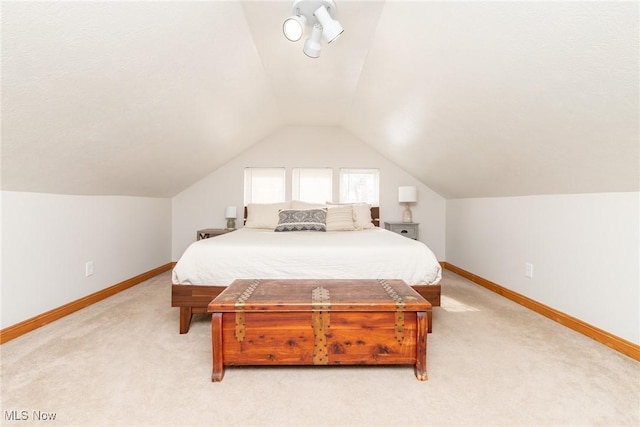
(194, 299)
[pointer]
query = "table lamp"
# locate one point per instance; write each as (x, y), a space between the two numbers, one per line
(407, 195)
(231, 213)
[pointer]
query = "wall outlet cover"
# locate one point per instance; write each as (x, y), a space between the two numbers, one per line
(528, 270)
(88, 268)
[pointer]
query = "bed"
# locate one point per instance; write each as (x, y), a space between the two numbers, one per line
(256, 251)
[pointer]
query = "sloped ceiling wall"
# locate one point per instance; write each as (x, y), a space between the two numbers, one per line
(474, 99)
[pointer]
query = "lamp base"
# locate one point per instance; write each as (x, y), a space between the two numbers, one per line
(231, 223)
(406, 215)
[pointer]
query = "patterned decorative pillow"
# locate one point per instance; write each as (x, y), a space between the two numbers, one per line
(302, 220)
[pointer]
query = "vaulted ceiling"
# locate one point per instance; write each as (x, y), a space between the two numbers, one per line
(474, 99)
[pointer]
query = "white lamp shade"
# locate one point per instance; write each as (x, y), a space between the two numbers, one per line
(293, 27)
(312, 46)
(231, 212)
(331, 28)
(407, 194)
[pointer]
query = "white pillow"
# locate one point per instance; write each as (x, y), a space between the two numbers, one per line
(340, 218)
(264, 215)
(362, 216)
(299, 204)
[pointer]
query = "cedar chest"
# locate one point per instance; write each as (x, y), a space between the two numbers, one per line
(319, 322)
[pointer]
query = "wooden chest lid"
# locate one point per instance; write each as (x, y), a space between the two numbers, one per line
(288, 295)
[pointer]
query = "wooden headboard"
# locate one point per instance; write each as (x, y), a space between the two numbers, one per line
(375, 215)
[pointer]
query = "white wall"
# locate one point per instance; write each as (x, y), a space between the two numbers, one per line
(584, 251)
(202, 205)
(47, 238)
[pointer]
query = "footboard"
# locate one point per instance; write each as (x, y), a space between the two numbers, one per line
(429, 292)
(192, 300)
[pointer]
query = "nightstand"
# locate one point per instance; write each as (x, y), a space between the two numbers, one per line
(407, 229)
(211, 232)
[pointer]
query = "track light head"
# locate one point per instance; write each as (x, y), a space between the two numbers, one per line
(331, 29)
(312, 46)
(293, 27)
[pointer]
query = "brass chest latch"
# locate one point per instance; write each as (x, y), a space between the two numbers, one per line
(400, 307)
(239, 308)
(320, 306)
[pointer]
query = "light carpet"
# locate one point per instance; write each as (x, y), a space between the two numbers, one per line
(491, 362)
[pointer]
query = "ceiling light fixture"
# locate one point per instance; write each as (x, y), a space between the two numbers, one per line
(320, 15)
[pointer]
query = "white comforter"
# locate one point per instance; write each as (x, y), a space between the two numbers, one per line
(254, 253)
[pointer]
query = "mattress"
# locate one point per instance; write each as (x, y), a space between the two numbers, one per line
(249, 253)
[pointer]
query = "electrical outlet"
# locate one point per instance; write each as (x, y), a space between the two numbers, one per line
(528, 270)
(88, 268)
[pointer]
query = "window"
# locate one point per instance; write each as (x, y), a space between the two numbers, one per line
(263, 185)
(360, 185)
(312, 185)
